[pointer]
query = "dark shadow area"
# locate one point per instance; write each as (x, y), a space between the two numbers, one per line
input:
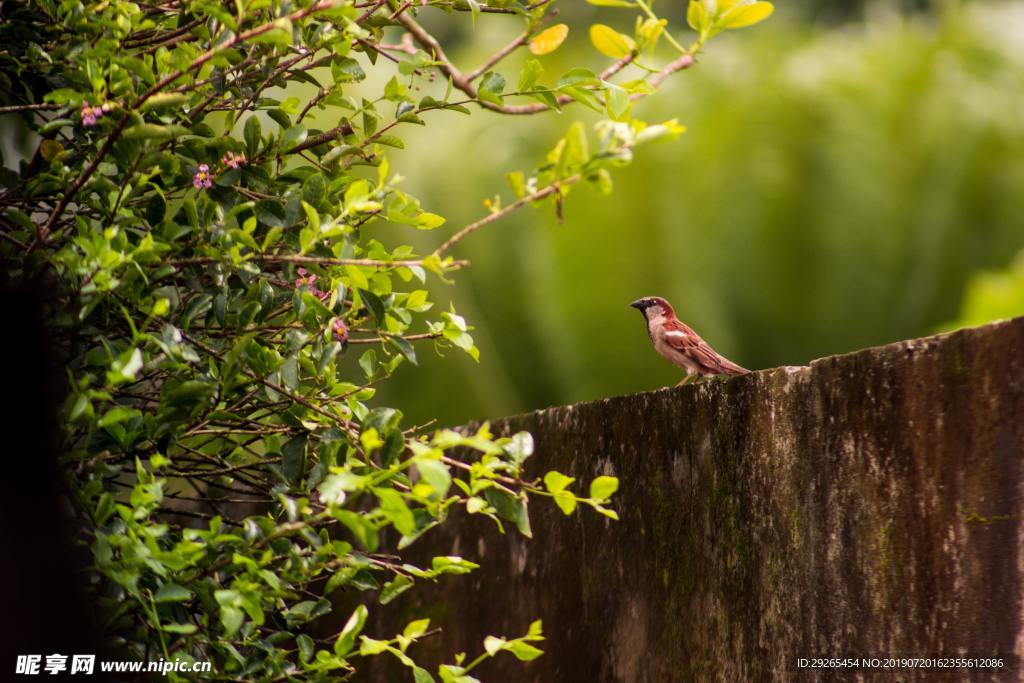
(41, 569)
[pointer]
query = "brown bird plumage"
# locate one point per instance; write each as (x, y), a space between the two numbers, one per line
(683, 347)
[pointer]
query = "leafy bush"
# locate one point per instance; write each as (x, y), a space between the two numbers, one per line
(233, 294)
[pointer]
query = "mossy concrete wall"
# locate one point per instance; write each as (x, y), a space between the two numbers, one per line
(867, 504)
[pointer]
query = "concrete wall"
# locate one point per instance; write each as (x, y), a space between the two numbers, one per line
(868, 504)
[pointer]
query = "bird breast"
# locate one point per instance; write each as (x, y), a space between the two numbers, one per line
(659, 335)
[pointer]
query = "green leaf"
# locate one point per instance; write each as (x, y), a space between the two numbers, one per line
(116, 415)
(306, 647)
(530, 74)
(404, 347)
(374, 304)
(493, 82)
(392, 504)
(231, 618)
(314, 189)
(347, 70)
(556, 481)
(371, 646)
(415, 629)
(353, 627)
(566, 501)
(280, 118)
(616, 101)
(390, 141)
(421, 675)
(151, 131)
(577, 77)
(253, 135)
(452, 564)
(172, 592)
(394, 90)
(293, 460)
(603, 487)
(392, 589)
(165, 100)
(524, 651)
(429, 221)
(364, 530)
(293, 137)
(436, 474)
(511, 508)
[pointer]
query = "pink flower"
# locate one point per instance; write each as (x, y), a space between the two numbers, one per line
(202, 179)
(307, 281)
(339, 331)
(90, 114)
(232, 160)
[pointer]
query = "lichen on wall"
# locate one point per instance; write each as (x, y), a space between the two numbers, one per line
(866, 505)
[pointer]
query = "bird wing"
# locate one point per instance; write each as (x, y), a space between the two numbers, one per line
(684, 340)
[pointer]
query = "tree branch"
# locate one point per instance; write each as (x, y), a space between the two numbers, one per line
(313, 260)
(490, 218)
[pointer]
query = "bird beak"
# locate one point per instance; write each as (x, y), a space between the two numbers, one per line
(638, 304)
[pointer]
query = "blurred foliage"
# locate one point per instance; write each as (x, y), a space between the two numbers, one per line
(992, 295)
(836, 189)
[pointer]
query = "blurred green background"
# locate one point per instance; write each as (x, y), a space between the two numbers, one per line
(844, 177)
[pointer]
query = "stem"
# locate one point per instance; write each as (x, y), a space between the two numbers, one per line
(523, 201)
(642, 4)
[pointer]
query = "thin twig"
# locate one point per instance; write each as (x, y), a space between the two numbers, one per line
(490, 218)
(15, 108)
(499, 55)
(409, 337)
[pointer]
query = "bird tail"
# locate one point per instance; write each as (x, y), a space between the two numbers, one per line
(730, 368)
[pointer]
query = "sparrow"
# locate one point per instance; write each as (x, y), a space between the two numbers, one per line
(679, 344)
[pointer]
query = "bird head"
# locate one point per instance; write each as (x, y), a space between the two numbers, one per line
(653, 307)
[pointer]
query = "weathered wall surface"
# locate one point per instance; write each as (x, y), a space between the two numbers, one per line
(868, 504)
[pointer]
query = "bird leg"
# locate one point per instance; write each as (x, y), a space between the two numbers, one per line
(686, 380)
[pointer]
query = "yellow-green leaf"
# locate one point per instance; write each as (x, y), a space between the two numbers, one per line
(565, 501)
(723, 6)
(49, 149)
(610, 42)
(746, 15)
(165, 99)
(548, 40)
(696, 15)
(603, 487)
